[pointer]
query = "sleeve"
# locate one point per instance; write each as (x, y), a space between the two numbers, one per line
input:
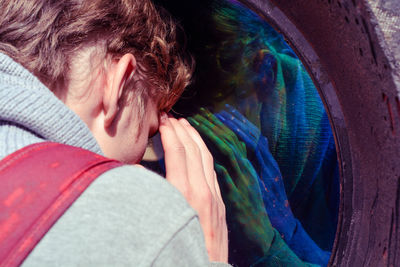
(306, 248)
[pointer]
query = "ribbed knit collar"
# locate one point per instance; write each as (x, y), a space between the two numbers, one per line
(25, 101)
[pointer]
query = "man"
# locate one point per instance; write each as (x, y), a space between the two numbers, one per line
(117, 68)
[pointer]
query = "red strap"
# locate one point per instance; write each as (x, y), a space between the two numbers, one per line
(37, 185)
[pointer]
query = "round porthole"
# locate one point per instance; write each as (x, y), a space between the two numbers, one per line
(338, 46)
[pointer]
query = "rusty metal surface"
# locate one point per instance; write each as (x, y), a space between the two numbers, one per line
(385, 17)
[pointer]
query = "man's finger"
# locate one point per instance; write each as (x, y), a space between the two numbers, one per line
(174, 152)
(207, 159)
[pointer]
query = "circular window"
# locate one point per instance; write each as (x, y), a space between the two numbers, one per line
(296, 189)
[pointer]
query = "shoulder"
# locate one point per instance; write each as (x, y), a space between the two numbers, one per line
(141, 187)
(145, 196)
(126, 216)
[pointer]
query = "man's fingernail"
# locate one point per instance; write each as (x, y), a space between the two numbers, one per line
(163, 117)
(184, 121)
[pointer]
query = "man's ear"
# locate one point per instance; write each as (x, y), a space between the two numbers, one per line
(117, 76)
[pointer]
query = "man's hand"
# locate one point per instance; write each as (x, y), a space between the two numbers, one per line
(190, 168)
(269, 175)
(272, 188)
(253, 239)
(238, 181)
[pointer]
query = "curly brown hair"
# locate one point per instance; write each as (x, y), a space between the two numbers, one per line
(42, 35)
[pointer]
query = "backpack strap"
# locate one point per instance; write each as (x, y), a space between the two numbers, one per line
(37, 185)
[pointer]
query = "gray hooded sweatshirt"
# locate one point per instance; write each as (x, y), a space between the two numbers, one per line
(129, 216)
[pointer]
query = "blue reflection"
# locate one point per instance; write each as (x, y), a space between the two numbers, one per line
(273, 146)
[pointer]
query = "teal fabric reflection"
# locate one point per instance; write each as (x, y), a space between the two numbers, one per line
(261, 77)
(248, 221)
(272, 188)
(283, 132)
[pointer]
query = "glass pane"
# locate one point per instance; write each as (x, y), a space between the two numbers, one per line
(262, 118)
